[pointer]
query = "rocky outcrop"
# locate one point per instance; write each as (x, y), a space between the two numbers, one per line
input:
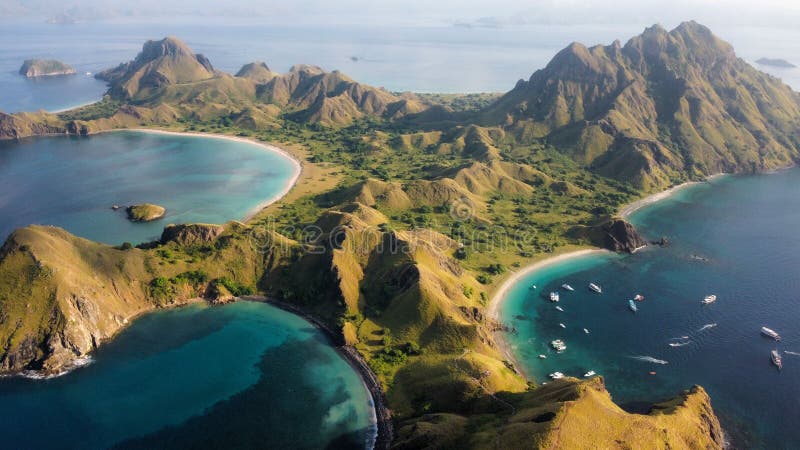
(621, 236)
(191, 234)
(33, 68)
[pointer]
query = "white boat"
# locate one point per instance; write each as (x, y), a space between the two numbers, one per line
(776, 359)
(556, 375)
(558, 345)
(595, 288)
(567, 287)
(562, 325)
(632, 306)
(590, 373)
(586, 330)
(639, 297)
(533, 286)
(560, 308)
(554, 297)
(769, 332)
(709, 299)
(542, 356)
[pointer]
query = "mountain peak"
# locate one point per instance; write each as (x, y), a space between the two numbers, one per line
(160, 63)
(257, 71)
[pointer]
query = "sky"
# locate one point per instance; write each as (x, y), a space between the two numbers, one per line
(474, 13)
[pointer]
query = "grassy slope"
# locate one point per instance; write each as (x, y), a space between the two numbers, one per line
(416, 314)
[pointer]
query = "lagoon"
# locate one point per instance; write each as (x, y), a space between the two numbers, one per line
(72, 182)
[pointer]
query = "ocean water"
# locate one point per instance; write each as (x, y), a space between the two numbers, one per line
(244, 375)
(735, 237)
(432, 58)
(72, 182)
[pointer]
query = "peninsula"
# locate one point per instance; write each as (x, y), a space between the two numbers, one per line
(419, 210)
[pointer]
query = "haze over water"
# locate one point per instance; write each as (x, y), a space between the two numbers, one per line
(746, 229)
(429, 58)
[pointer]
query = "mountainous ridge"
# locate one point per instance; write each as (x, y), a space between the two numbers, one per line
(665, 107)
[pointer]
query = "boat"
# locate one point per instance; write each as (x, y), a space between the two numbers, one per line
(590, 373)
(556, 375)
(567, 287)
(560, 308)
(554, 297)
(776, 359)
(586, 330)
(769, 332)
(542, 356)
(562, 325)
(533, 286)
(632, 306)
(709, 299)
(558, 345)
(595, 288)
(639, 297)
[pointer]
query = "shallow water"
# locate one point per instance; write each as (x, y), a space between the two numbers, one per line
(245, 374)
(72, 182)
(734, 237)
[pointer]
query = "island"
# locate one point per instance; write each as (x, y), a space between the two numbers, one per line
(776, 62)
(418, 208)
(33, 68)
(145, 212)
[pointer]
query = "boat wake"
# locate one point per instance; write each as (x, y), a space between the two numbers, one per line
(679, 338)
(679, 344)
(707, 326)
(650, 359)
(791, 353)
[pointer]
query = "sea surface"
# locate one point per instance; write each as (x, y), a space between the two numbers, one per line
(244, 375)
(72, 182)
(432, 58)
(735, 237)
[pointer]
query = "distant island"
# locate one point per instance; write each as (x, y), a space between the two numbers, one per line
(776, 62)
(33, 68)
(146, 212)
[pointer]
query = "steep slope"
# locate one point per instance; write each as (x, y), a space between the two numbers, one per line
(160, 64)
(570, 414)
(665, 107)
(331, 98)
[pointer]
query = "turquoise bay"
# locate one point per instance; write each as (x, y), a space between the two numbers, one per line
(734, 237)
(242, 375)
(72, 182)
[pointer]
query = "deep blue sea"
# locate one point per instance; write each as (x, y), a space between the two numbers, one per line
(432, 58)
(735, 237)
(72, 182)
(245, 375)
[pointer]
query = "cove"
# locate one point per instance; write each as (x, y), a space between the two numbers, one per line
(72, 182)
(735, 237)
(241, 375)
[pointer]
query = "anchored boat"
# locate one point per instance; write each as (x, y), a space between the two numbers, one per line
(632, 306)
(567, 287)
(709, 299)
(595, 288)
(776, 359)
(558, 345)
(590, 373)
(554, 297)
(769, 332)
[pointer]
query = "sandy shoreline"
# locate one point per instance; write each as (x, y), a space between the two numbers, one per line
(630, 208)
(271, 148)
(493, 310)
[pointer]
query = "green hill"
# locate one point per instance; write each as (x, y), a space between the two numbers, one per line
(664, 107)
